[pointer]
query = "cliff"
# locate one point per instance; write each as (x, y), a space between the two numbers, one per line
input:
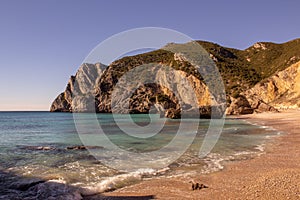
(282, 90)
(86, 78)
(263, 77)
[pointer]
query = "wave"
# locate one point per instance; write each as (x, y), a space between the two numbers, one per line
(121, 180)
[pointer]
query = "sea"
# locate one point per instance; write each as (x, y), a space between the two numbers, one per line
(52, 146)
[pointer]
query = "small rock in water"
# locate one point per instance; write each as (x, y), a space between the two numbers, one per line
(55, 189)
(76, 147)
(82, 147)
(21, 188)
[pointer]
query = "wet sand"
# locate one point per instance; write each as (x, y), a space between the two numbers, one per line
(275, 174)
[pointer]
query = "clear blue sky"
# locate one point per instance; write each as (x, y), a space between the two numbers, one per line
(42, 43)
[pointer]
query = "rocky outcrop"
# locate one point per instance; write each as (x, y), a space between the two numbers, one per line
(82, 83)
(281, 91)
(260, 106)
(239, 106)
(243, 105)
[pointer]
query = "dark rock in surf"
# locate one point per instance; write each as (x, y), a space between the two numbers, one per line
(82, 147)
(25, 184)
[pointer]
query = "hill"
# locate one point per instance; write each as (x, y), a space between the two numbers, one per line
(92, 87)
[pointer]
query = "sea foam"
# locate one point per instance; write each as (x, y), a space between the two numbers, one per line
(118, 181)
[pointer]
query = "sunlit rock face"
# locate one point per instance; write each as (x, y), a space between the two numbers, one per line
(281, 90)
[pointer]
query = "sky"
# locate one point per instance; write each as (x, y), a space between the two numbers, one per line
(42, 43)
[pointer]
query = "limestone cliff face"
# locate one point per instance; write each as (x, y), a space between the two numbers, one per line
(168, 89)
(83, 82)
(281, 90)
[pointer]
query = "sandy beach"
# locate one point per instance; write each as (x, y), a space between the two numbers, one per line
(275, 174)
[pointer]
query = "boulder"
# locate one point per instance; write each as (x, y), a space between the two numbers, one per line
(239, 106)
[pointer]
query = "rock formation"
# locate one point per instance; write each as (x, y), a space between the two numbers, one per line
(264, 77)
(282, 90)
(86, 78)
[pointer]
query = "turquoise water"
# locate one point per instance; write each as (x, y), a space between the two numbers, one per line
(23, 134)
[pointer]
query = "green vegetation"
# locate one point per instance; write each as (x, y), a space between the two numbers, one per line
(274, 57)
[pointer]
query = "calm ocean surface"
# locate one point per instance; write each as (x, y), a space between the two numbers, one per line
(23, 134)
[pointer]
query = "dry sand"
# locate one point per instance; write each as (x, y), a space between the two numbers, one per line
(273, 175)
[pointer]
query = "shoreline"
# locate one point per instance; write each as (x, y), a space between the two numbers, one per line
(275, 174)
